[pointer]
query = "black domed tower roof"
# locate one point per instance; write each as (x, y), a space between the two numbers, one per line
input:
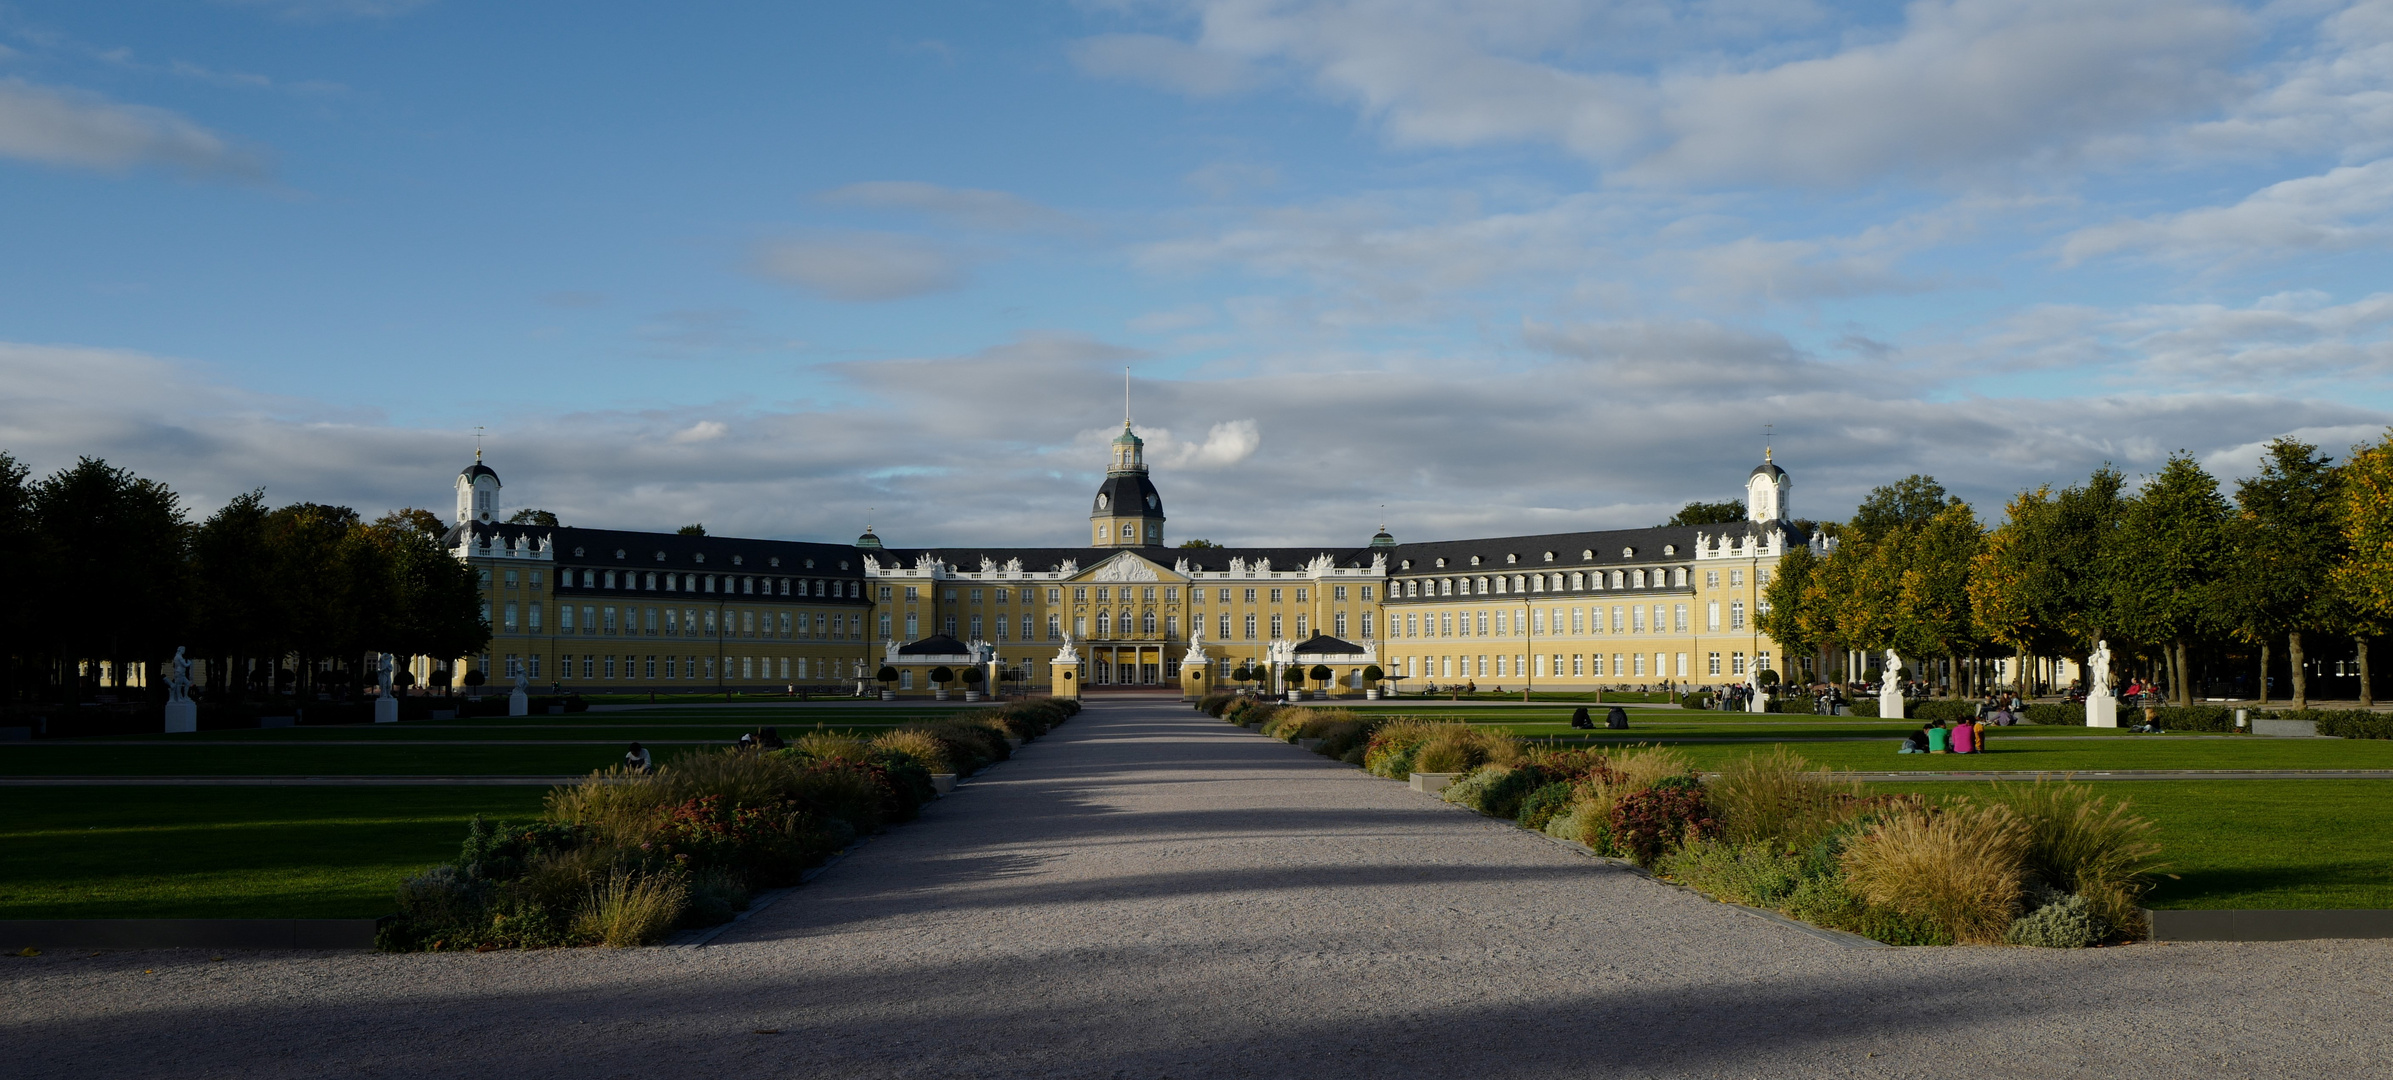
(478, 470)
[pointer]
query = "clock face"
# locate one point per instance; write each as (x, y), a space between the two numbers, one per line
(1102, 500)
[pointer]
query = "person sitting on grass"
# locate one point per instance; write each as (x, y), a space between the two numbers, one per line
(1617, 719)
(1965, 737)
(1915, 743)
(1940, 739)
(1580, 720)
(637, 759)
(770, 739)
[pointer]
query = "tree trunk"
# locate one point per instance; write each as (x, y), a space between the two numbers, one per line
(2185, 674)
(2367, 692)
(2301, 677)
(2264, 674)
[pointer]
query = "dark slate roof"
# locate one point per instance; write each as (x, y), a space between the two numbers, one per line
(1597, 548)
(1323, 644)
(1127, 494)
(478, 470)
(1049, 558)
(598, 547)
(1766, 469)
(934, 645)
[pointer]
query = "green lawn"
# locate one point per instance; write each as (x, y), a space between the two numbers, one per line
(2260, 843)
(2080, 755)
(328, 759)
(113, 853)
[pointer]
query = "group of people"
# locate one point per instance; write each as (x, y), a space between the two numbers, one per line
(639, 760)
(1966, 737)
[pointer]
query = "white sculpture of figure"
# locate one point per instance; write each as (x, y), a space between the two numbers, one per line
(182, 714)
(1195, 656)
(1067, 656)
(1755, 700)
(386, 707)
(519, 702)
(2102, 707)
(1890, 689)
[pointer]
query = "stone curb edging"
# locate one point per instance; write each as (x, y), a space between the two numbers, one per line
(2264, 924)
(311, 934)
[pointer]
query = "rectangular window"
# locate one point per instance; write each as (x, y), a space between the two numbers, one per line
(1300, 596)
(1275, 596)
(1736, 577)
(1250, 596)
(1637, 620)
(1658, 624)
(905, 679)
(689, 667)
(1637, 662)
(884, 626)
(912, 593)
(747, 667)
(1597, 660)
(1055, 627)
(1615, 620)
(1578, 620)
(1711, 663)
(1300, 628)
(1366, 593)
(1275, 628)
(710, 668)
(1736, 663)
(710, 623)
(1054, 596)
(1412, 626)
(669, 661)
(1338, 593)
(1104, 594)
(913, 626)
(784, 666)
(610, 662)
(1682, 665)
(1678, 619)
(785, 624)
(1736, 615)
(1761, 661)
(1578, 666)
(1503, 622)
(610, 619)
(1711, 615)
(649, 618)
(510, 616)
(1080, 626)
(648, 667)
(1250, 627)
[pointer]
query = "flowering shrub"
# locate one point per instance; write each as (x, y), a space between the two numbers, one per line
(1647, 823)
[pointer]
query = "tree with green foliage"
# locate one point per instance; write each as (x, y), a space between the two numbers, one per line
(1931, 611)
(2040, 586)
(1782, 606)
(694, 528)
(2166, 563)
(22, 551)
(2287, 537)
(113, 583)
(1707, 513)
(1195, 545)
(2364, 579)
(530, 516)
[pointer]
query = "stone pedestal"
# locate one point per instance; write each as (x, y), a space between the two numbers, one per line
(518, 704)
(181, 716)
(386, 710)
(1759, 702)
(1890, 701)
(2102, 710)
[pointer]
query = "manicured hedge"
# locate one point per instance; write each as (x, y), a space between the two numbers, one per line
(2062, 714)
(2345, 723)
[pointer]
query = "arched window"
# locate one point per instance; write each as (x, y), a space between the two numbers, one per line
(1104, 623)
(1146, 623)
(1124, 622)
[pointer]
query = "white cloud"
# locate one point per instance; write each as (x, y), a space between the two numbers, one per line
(860, 267)
(702, 431)
(1957, 85)
(59, 127)
(970, 207)
(2339, 210)
(1164, 63)
(1225, 444)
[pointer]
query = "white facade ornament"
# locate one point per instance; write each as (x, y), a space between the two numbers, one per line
(889, 651)
(1013, 566)
(928, 562)
(1280, 654)
(1195, 656)
(988, 565)
(1126, 567)
(1068, 567)
(1238, 567)
(1379, 561)
(1180, 567)
(872, 564)
(1067, 656)
(1321, 565)
(1262, 567)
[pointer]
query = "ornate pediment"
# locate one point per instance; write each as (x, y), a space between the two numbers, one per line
(1126, 567)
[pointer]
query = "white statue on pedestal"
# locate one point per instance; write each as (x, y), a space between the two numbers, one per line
(519, 703)
(386, 707)
(1195, 656)
(1890, 687)
(182, 714)
(2102, 707)
(1067, 656)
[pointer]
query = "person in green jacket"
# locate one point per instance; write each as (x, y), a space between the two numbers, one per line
(1940, 738)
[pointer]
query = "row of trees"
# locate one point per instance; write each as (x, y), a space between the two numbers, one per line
(106, 568)
(2171, 572)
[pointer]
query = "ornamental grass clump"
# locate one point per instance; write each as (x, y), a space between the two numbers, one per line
(1459, 748)
(1393, 747)
(915, 745)
(631, 908)
(2079, 842)
(1959, 868)
(1780, 800)
(821, 745)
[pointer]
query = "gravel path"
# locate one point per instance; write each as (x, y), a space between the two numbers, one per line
(1149, 893)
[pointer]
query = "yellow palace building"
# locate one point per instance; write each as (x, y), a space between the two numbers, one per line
(610, 611)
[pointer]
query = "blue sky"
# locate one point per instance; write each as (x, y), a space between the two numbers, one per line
(1497, 266)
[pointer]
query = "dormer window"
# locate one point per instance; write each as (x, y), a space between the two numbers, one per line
(1510, 558)
(1441, 560)
(701, 556)
(1670, 549)
(1628, 553)
(660, 556)
(577, 553)
(774, 561)
(1474, 560)
(618, 553)
(1405, 565)
(810, 564)
(735, 560)
(1549, 556)
(843, 564)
